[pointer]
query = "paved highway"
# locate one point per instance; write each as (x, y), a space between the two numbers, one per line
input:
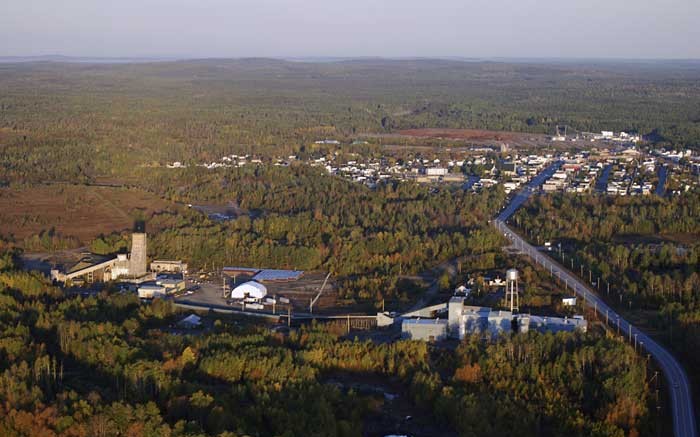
(679, 387)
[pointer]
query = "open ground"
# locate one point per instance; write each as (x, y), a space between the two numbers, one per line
(79, 211)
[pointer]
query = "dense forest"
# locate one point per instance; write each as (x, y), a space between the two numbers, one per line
(76, 122)
(108, 365)
(644, 250)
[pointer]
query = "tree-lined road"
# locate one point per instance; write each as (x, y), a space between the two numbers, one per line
(679, 386)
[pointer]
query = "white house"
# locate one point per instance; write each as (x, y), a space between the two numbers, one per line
(569, 301)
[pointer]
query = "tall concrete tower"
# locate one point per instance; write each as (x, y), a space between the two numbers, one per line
(455, 324)
(137, 262)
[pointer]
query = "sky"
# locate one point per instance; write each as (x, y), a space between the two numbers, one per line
(632, 29)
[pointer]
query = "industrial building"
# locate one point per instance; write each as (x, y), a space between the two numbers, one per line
(424, 329)
(553, 324)
(151, 290)
(131, 267)
(161, 287)
(95, 268)
(464, 320)
(263, 275)
(238, 271)
(168, 266)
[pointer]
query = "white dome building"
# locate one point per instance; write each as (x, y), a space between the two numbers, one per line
(249, 289)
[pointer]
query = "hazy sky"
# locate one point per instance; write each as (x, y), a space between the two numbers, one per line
(401, 28)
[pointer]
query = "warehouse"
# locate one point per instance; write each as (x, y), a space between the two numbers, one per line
(424, 329)
(273, 275)
(250, 289)
(172, 285)
(151, 291)
(168, 266)
(263, 275)
(237, 271)
(555, 324)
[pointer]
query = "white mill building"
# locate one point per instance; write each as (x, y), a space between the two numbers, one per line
(462, 320)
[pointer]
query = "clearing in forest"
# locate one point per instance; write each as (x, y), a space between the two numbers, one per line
(74, 210)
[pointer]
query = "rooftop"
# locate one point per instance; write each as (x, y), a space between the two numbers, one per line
(89, 260)
(278, 275)
(424, 321)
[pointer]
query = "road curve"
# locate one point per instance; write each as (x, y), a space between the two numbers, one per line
(679, 386)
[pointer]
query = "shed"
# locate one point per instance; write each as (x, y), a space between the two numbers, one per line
(569, 301)
(191, 321)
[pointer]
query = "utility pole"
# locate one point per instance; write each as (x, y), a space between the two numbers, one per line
(630, 333)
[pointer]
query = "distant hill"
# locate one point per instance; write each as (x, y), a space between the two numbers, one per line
(79, 59)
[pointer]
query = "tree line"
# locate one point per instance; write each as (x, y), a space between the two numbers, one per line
(108, 365)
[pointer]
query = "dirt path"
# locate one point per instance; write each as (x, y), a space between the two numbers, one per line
(111, 205)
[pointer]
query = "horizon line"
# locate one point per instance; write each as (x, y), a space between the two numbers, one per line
(332, 58)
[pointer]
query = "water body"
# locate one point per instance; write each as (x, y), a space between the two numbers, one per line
(661, 186)
(601, 184)
(227, 212)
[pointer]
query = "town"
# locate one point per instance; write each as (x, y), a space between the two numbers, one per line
(616, 166)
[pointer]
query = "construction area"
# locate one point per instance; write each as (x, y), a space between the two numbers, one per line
(273, 291)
